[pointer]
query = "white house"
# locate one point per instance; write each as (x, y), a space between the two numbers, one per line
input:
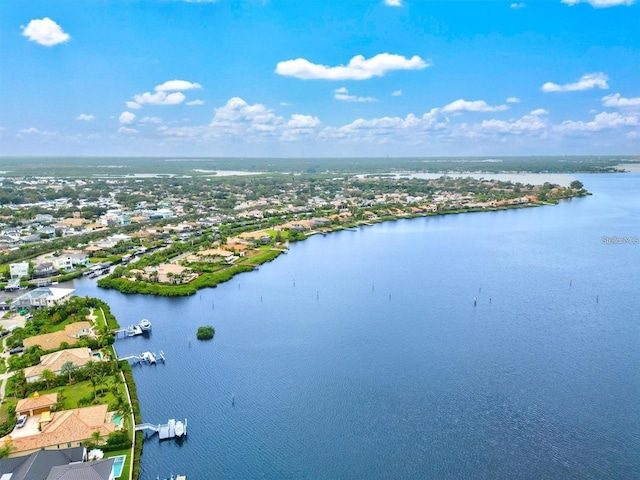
(19, 270)
(44, 297)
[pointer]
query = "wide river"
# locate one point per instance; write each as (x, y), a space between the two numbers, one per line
(361, 354)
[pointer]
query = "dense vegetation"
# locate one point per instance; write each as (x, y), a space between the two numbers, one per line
(205, 332)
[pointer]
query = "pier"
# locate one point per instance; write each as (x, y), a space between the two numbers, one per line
(145, 357)
(142, 327)
(171, 429)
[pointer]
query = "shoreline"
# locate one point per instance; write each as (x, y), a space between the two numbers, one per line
(212, 280)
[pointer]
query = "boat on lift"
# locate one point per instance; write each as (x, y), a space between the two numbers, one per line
(145, 325)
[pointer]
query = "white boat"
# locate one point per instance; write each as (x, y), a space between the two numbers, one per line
(145, 325)
(179, 429)
(133, 330)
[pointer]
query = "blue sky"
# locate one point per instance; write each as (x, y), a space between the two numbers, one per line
(319, 78)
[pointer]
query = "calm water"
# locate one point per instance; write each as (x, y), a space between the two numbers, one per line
(361, 354)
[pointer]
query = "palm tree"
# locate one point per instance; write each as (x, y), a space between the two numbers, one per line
(95, 436)
(67, 368)
(48, 376)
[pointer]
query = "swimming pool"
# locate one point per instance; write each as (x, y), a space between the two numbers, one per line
(97, 355)
(118, 464)
(117, 419)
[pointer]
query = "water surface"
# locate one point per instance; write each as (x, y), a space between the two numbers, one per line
(361, 354)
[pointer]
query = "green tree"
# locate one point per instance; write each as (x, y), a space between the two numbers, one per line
(577, 185)
(48, 376)
(67, 368)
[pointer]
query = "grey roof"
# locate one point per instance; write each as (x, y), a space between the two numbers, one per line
(37, 465)
(98, 470)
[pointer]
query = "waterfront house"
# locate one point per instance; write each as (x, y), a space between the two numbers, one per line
(41, 464)
(44, 269)
(78, 357)
(19, 270)
(66, 429)
(44, 297)
(52, 341)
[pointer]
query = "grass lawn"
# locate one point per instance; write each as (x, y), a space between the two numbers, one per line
(126, 469)
(100, 320)
(4, 408)
(3, 365)
(75, 392)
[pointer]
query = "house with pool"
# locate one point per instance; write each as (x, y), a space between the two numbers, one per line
(78, 357)
(64, 429)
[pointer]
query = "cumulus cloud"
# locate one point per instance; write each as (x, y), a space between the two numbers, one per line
(517, 6)
(133, 105)
(393, 3)
(513, 100)
(586, 82)
(617, 101)
(45, 31)
(127, 130)
(30, 130)
(539, 111)
(195, 102)
(397, 93)
(602, 121)
(86, 118)
(342, 94)
(126, 118)
(303, 121)
(526, 124)
(177, 85)
(237, 117)
(600, 3)
(473, 106)
(358, 68)
(159, 98)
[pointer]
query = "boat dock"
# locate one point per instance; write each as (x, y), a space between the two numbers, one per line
(150, 358)
(133, 330)
(171, 429)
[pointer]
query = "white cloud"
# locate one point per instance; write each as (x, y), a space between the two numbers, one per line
(586, 82)
(342, 94)
(539, 111)
(127, 130)
(602, 121)
(474, 106)
(159, 98)
(177, 85)
(303, 121)
(600, 3)
(133, 105)
(30, 130)
(248, 123)
(126, 118)
(358, 68)
(526, 124)
(45, 32)
(617, 101)
(238, 117)
(393, 3)
(513, 100)
(517, 5)
(150, 120)
(397, 93)
(86, 118)
(195, 102)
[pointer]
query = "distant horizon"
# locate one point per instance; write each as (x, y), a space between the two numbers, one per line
(293, 157)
